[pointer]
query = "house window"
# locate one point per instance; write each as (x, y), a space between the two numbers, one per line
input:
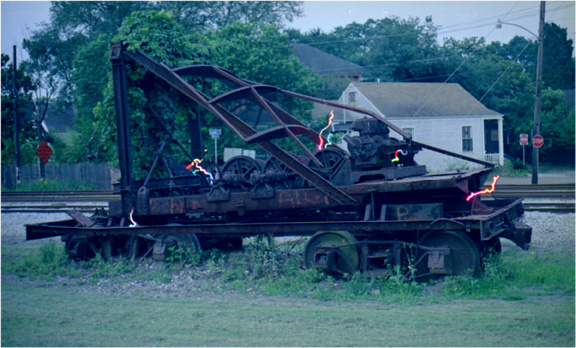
(352, 98)
(467, 139)
(409, 130)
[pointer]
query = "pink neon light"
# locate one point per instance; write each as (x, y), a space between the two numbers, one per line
(488, 190)
(320, 135)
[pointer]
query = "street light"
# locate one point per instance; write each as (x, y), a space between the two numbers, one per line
(540, 38)
(499, 26)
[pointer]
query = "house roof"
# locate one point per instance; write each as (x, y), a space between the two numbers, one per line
(323, 63)
(322, 111)
(408, 99)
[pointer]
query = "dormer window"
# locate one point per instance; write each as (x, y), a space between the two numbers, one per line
(352, 98)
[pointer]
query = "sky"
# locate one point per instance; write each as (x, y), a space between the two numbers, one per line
(458, 19)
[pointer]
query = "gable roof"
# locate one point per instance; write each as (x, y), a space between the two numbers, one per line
(323, 63)
(409, 99)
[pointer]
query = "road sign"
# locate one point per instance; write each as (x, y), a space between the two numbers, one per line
(537, 141)
(523, 139)
(215, 133)
(44, 151)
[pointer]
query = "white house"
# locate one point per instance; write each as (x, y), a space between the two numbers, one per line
(443, 115)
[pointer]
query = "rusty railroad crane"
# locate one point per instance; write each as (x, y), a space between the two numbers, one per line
(367, 210)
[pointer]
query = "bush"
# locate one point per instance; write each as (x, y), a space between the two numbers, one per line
(50, 261)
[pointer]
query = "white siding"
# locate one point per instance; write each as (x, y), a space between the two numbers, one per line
(445, 133)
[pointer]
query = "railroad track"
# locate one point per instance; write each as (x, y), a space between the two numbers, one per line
(59, 196)
(524, 191)
(534, 191)
(557, 207)
(52, 201)
(53, 208)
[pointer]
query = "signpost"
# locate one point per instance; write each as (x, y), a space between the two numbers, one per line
(523, 142)
(538, 141)
(215, 133)
(44, 151)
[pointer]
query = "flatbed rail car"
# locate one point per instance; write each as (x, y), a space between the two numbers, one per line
(366, 209)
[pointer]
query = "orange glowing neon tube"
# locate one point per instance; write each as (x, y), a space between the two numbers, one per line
(488, 190)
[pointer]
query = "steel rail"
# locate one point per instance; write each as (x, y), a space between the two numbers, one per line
(524, 191)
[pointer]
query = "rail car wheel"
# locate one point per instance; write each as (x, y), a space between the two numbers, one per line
(330, 159)
(284, 177)
(79, 248)
(138, 247)
(237, 171)
(456, 254)
(333, 252)
(167, 245)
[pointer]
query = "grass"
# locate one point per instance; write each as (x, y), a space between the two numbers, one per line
(513, 169)
(51, 185)
(262, 297)
(64, 317)
(271, 270)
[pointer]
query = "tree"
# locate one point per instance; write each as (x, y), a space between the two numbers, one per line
(261, 53)
(200, 16)
(90, 76)
(69, 54)
(558, 63)
(27, 132)
(394, 49)
(160, 37)
(73, 25)
(558, 71)
(557, 125)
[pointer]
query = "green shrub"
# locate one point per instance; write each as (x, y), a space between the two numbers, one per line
(184, 256)
(52, 185)
(50, 261)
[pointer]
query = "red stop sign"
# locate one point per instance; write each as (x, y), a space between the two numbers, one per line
(523, 139)
(537, 141)
(44, 151)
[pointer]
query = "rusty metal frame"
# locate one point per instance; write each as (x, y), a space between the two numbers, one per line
(288, 125)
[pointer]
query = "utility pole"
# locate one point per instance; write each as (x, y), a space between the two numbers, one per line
(536, 128)
(535, 150)
(16, 118)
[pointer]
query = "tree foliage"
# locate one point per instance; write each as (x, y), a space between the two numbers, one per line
(75, 24)
(159, 36)
(200, 16)
(259, 52)
(394, 49)
(70, 52)
(27, 132)
(558, 68)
